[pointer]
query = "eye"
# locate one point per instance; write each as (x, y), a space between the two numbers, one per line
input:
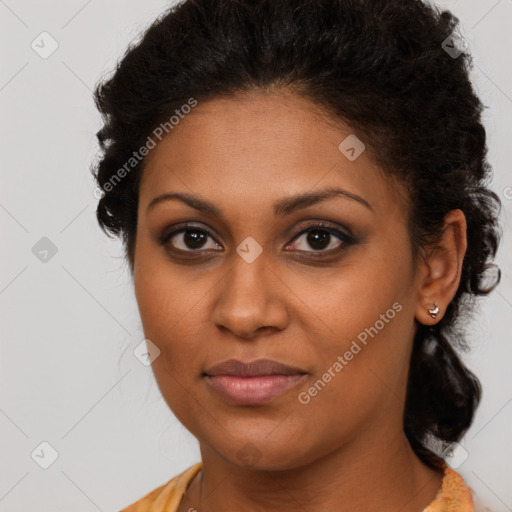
(188, 239)
(319, 237)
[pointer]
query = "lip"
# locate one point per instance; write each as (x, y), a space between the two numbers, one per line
(252, 383)
(255, 368)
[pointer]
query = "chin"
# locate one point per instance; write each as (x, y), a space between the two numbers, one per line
(263, 455)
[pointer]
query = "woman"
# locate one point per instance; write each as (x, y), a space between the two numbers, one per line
(300, 188)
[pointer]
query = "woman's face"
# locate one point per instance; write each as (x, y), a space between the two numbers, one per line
(250, 281)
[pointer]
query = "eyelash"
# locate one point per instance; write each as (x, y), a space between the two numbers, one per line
(346, 240)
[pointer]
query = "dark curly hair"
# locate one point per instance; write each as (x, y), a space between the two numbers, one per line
(383, 67)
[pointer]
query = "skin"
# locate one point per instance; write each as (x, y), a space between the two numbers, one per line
(204, 306)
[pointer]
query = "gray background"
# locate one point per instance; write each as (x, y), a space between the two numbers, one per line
(69, 324)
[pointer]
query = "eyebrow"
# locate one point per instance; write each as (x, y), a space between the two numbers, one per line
(282, 207)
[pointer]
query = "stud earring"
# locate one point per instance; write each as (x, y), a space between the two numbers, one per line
(434, 311)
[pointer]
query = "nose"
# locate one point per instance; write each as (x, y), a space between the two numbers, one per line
(250, 299)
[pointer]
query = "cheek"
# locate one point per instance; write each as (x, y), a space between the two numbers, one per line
(365, 316)
(169, 304)
(362, 354)
(347, 300)
(362, 371)
(171, 320)
(167, 297)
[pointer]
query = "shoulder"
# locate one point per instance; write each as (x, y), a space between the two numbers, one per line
(167, 497)
(453, 495)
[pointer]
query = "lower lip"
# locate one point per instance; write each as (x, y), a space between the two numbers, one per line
(252, 390)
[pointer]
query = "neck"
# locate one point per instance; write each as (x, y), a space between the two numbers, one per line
(385, 476)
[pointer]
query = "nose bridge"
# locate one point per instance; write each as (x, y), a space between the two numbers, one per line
(248, 298)
(248, 267)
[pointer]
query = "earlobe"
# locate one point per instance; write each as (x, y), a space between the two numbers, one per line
(442, 269)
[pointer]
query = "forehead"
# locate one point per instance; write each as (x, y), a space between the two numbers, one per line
(261, 146)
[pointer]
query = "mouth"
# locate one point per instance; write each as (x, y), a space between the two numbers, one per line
(252, 383)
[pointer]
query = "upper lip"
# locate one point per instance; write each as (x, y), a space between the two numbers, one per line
(252, 368)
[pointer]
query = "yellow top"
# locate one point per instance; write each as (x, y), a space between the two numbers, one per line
(454, 495)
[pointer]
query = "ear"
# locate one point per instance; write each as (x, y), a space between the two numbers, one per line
(441, 268)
